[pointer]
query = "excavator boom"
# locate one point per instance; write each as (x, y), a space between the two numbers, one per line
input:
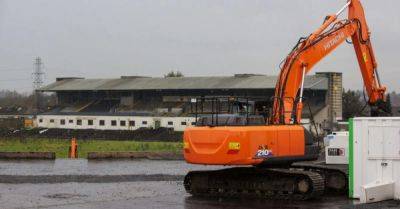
(309, 51)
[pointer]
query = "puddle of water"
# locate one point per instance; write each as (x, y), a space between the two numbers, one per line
(98, 167)
(70, 166)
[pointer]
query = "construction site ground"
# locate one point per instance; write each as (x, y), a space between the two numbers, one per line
(126, 184)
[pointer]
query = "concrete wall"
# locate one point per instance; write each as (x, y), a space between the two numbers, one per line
(333, 110)
(321, 120)
(334, 95)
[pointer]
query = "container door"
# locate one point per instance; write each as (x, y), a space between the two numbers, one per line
(391, 150)
(383, 148)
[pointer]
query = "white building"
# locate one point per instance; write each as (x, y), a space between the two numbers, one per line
(112, 122)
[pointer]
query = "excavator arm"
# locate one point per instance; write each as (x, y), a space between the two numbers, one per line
(288, 100)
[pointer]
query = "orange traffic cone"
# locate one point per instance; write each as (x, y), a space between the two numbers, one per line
(73, 149)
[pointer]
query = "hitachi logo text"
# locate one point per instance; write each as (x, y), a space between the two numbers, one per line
(334, 41)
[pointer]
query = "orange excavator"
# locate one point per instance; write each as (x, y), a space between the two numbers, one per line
(262, 156)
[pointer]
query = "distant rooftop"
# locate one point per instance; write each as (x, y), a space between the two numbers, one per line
(239, 81)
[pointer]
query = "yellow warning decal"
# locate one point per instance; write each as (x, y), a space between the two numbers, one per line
(185, 145)
(365, 57)
(234, 146)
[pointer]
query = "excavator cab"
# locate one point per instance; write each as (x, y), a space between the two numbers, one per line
(229, 111)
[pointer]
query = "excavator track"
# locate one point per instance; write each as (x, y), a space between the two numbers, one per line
(256, 182)
(336, 176)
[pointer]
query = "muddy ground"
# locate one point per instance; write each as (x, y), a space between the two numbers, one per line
(146, 195)
(148, 189)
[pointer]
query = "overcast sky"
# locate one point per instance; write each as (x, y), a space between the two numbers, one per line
(107, 39)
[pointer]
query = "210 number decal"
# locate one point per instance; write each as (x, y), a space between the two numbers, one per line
(263, 152)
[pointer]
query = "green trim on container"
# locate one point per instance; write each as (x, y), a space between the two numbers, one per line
(351, 159)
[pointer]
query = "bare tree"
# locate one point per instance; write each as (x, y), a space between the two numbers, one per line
(173, 74)
(353, 104)
(12, 102)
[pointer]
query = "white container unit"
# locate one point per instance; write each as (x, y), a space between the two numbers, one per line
(374, 158)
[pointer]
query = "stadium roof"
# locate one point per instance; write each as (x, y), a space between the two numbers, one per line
(244, 81)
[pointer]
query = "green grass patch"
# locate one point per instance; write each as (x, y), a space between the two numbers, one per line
(60, 147)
